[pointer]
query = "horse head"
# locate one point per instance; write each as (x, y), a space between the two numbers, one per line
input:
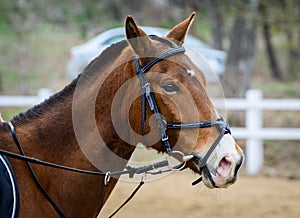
(178, 92)
(146, 89)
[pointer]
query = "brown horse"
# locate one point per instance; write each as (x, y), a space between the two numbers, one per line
(95, 122)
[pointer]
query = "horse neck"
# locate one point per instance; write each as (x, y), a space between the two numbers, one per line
(45, 131)
(104, 79)
(48, 131)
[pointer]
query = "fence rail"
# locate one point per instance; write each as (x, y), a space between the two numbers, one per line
(254, 104)
(25, 101)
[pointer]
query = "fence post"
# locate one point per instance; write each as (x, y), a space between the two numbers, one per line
(254, 147)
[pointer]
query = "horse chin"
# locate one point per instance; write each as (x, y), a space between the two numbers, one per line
(208, 181)
(225, 173)
(211, 181)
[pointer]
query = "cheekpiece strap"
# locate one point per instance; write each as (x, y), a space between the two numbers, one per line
(147, 94)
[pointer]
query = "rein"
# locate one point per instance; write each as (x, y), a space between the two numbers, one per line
(33, 175)
(152, 169)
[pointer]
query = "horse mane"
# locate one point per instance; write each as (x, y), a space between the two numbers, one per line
(40, 109)
(105, 58)
(92, 69)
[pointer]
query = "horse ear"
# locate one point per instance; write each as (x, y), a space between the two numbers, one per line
(137, 38)
(180, 30)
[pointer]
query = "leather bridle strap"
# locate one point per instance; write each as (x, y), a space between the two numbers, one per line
(34, 177)
(222, 127)
(201, 162)
(191, 125)
(130, 171)
(171, 52)
(147, 94)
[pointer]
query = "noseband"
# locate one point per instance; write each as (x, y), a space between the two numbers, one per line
(163, 125)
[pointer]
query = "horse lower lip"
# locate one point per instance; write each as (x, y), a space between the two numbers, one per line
(211, 169)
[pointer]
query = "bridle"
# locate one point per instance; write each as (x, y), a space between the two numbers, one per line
(163, 125)
(147, 97)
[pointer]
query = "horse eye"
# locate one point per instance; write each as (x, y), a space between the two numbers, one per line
(170, 87)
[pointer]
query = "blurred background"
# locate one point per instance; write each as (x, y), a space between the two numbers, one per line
(259, 39)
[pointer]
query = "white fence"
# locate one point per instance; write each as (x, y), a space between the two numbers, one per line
(25, 101)
(254, 133)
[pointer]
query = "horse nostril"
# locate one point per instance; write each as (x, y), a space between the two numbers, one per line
(237, 167)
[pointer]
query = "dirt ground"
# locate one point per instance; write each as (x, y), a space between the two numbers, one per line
(173, 196)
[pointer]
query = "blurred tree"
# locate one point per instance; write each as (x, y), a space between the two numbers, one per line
(239, 68)
(216, 22)
(17, 17)
(282, 18)
(1, 85)
(270, 50)
(291, 27)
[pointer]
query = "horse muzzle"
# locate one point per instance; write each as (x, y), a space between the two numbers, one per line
(223, 174)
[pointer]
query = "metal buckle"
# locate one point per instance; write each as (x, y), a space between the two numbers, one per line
(164, 137)
(107, 178)
(147, 88)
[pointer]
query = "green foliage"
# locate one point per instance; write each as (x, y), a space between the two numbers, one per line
(20, 18)
(3, 27)
(203, 32)
(275, 89)
(3, 24)
(11, 78)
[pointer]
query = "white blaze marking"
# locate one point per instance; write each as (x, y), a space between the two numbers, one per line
(190, 72)
(227, 147)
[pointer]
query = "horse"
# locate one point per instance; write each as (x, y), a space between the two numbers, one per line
(141, 89)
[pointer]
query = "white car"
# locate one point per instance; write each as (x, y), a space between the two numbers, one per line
(81, 55)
